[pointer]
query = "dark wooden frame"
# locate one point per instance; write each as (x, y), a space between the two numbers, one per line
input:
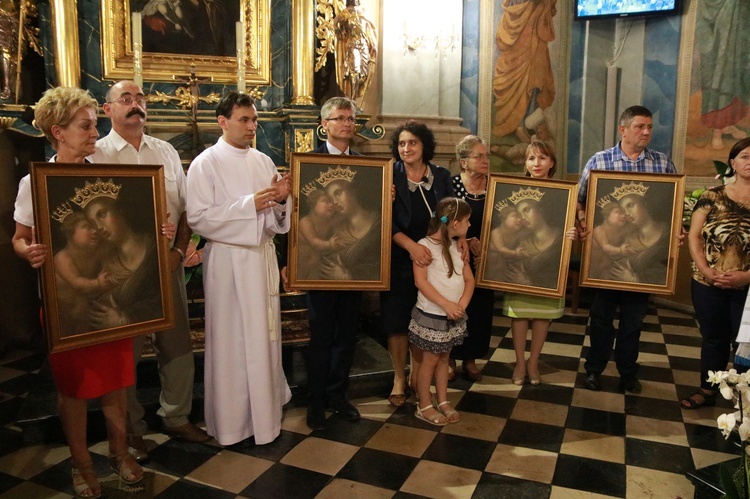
(52, 187)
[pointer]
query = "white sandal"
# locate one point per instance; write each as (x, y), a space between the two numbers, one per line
(450, 413)
(435, 421)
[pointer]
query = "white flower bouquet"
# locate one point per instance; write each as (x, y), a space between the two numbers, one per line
(735, 387)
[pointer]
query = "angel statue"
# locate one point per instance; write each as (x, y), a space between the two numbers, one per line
(344, 31)
(15, 13)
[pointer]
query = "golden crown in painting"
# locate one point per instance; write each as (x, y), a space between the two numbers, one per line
(62, 212)
(338, 173)
(632, 188)
(601, 203)
(98, 189)
(309, 188)
(529, 193)
(501, 205)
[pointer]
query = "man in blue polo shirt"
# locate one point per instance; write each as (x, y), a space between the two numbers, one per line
(630, 155)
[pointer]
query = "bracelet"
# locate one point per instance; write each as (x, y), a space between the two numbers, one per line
(182, 253)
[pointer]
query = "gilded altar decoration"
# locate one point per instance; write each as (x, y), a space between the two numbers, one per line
(182, 98)
(303, 140)
(197, 33)
(345, 32)
(16, 33)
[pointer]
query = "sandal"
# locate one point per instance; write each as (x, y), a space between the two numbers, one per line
(85, 479)
(534, 378)
(397, 399)
(451, 415)
(437, 420)
(126, 467)
(709, 400)
(519, 380)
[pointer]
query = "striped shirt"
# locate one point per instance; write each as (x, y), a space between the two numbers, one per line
(615, 160)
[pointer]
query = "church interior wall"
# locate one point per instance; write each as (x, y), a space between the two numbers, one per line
(440, 86)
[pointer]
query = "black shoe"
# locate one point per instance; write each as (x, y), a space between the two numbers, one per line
(346, 411)
(316, 418)
(630, 384)
(592, 382)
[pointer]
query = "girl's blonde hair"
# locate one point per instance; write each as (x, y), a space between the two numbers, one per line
(58, 106)
(447, 211)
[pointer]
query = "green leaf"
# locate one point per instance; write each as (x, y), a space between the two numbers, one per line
(721, 168)
(727, 483)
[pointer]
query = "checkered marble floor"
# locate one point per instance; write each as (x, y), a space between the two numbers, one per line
(556, 440)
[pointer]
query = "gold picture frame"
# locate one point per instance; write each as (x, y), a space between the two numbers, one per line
(340, 237)
(635, 221)
(82, 212)
(117, 48)
(518, 213)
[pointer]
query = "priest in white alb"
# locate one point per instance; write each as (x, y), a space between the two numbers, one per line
(238, 201)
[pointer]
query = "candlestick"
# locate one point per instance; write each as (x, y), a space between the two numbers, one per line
(135, 21)
(240, 33)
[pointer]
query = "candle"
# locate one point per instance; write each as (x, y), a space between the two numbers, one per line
(135, 21)
(240, 33)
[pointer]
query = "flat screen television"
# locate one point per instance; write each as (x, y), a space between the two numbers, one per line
(596, 9)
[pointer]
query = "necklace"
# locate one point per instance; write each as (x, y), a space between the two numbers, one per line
(472, 192)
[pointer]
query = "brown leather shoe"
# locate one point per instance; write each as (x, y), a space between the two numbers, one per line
(471, 372)
(187, 432)
(137, 448)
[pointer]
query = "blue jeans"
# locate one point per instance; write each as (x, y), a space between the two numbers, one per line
(633, 308)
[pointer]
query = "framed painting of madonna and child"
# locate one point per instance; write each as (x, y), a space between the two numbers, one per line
(340, 235)
(524, 246)
(106, 276)
(635, 220)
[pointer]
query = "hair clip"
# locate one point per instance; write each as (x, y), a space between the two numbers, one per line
(444, 219)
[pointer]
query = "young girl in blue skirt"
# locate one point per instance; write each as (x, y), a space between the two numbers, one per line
(439, 317)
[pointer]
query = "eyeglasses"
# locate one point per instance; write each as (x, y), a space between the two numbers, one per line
(347, 119)
(479, 156)
(127, 100)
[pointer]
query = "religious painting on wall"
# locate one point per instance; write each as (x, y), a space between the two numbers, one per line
(523, 235)
(106, 275)
(713, 108)
(179, 34)
(635, 220)
(528, 44)
(340, 235)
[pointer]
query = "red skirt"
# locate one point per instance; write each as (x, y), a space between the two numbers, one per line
(90, 372)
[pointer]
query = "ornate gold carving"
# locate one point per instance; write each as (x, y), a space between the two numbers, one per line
(345, 32)
(303, 140)
(7, 121)
(184, 98)
(117, 48)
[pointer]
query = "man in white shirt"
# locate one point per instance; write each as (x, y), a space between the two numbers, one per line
(239, 202)
(128, 144)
